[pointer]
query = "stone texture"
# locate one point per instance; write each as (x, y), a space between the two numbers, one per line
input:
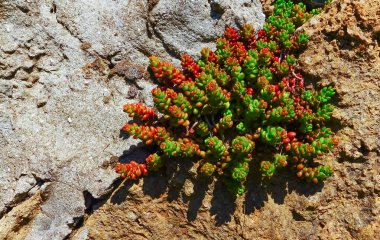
(66, 69)
(343, 51)
(178, 30)
(16, 224)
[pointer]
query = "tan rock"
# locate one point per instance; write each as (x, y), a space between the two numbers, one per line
(16, 224)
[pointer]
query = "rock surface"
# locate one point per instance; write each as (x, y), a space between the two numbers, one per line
(344, 51)
(66, 69)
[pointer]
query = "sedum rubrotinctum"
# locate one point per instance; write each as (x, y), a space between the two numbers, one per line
(245, 94)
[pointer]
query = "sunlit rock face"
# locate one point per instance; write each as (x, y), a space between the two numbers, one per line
(66, 69)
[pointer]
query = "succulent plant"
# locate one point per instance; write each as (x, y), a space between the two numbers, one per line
(245, 94)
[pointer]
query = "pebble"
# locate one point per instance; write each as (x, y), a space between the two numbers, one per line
(132, 216)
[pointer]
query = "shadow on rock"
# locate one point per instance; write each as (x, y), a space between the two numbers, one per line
(178, 179)
(179, 184)
(121, 193)
(195, 200)
(222, 204)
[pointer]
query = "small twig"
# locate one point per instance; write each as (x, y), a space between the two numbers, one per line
(191, 128)
(194, 124)
(295, 75)
(106, 147)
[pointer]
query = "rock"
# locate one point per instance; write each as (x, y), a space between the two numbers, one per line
(132, 216)
(175, 24)
(188, 187)
(63, 82)
(354, 58)
(68, 67)
(343, 51)
(6, 89)
(16, 224)
(24, 185)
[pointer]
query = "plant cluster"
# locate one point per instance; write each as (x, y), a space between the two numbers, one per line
(244, 95)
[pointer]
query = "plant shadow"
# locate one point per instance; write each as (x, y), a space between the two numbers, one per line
(178, 183)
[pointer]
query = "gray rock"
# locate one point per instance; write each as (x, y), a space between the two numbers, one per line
(175, 24)
(6, 89)
(60, 104)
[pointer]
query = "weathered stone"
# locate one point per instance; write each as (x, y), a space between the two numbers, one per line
(16, 224)
(63, 82)
(67, 68)
(343, 51)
